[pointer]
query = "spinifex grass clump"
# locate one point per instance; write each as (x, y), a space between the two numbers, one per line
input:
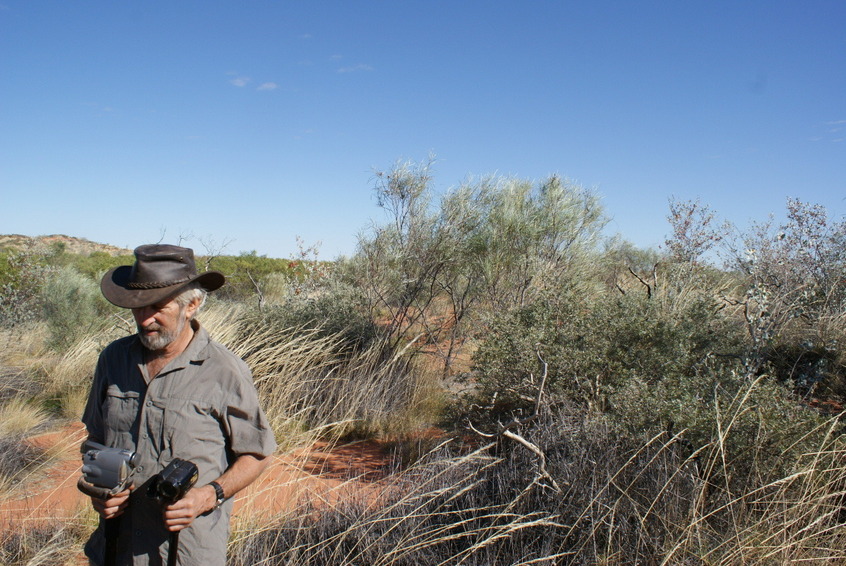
(44, 544)
(597, 496)
(313, 382)
(18, 420)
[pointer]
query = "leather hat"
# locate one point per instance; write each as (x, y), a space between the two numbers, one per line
(160, 272)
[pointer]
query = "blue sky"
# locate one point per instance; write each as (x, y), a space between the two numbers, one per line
(252, 123)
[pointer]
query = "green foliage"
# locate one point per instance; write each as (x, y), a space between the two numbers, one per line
(759, 427)
(21, 277)
(529, 238)
(93, 265)
(73, 307)
(334, 309)
(244, 271)
(431, 271)
(592, 349)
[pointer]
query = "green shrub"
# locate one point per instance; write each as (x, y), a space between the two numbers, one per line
(758, 426)
(591, 350)
(243, 271)
(95, 264)
(21, 278)
(335, 309)
(73, 307)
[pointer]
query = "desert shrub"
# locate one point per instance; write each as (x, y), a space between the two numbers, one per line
(761, 428)
(795, 297)
(16, 456)
(591, 350)
(73, 307)
(810, 368)
(434, 270)
(93, 265)
(332, 309)
(18, 420)
(243, 271)
(21, 277)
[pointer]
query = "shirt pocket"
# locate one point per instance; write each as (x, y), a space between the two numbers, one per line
(192, 430)
(120, 410)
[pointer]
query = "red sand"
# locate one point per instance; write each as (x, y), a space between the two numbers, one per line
(319, 474)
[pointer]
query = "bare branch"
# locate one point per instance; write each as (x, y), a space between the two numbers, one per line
(505, 430)
(645, 284)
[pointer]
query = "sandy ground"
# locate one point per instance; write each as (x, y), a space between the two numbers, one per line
(319, 474)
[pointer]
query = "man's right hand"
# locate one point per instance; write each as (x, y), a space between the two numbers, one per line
(112, 507)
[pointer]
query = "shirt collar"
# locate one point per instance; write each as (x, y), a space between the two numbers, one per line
(197, 350)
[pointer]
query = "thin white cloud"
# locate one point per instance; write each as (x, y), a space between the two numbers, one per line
(355, 68)
(268, 86)
(240, 81)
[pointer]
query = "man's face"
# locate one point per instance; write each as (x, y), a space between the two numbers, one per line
(160, 324)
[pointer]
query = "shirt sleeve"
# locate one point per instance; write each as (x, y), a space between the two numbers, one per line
(247, 426)
(92, 416)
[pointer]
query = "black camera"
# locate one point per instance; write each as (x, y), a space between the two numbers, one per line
(174, 481)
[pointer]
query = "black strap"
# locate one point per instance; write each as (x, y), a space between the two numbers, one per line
(172, 547)
(112, 530)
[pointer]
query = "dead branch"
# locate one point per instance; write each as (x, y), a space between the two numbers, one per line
(506, 431)
(645, 284)
(541, 456)
(257, 287)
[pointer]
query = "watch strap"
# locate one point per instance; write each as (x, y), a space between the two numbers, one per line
(219, 494)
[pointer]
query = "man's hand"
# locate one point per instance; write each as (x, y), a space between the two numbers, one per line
(112, 507)
(196, 501)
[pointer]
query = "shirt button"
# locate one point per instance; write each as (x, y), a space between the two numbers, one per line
(149, 403)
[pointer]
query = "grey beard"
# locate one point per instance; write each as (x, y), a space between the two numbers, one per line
(161, 340)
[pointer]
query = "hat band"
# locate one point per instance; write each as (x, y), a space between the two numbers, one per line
(157, 284)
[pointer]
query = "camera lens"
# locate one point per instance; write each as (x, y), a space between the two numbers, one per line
(168, 490)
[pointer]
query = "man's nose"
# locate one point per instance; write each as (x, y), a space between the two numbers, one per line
(144, 315)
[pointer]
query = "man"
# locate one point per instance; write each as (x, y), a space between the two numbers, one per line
(170, 392)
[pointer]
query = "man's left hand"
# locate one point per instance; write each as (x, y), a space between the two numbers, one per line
(196, 501)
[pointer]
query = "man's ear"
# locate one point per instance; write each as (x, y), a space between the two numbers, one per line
(191, 308)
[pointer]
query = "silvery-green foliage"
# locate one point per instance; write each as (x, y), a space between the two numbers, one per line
(73, 306)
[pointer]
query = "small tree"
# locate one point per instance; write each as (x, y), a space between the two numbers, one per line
(487, 246)
(796, 293)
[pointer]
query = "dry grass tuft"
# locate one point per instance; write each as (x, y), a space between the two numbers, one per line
(19, 417)
(312, 385)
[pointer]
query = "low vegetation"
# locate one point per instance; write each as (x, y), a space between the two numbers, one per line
(598, 404)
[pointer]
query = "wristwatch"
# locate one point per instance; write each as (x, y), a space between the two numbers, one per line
(218, 492)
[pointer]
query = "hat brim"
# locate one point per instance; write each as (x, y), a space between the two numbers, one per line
(114, 288)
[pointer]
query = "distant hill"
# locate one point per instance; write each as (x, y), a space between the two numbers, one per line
(71, 245)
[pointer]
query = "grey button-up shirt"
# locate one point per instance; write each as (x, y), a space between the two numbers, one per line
(201, 407)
